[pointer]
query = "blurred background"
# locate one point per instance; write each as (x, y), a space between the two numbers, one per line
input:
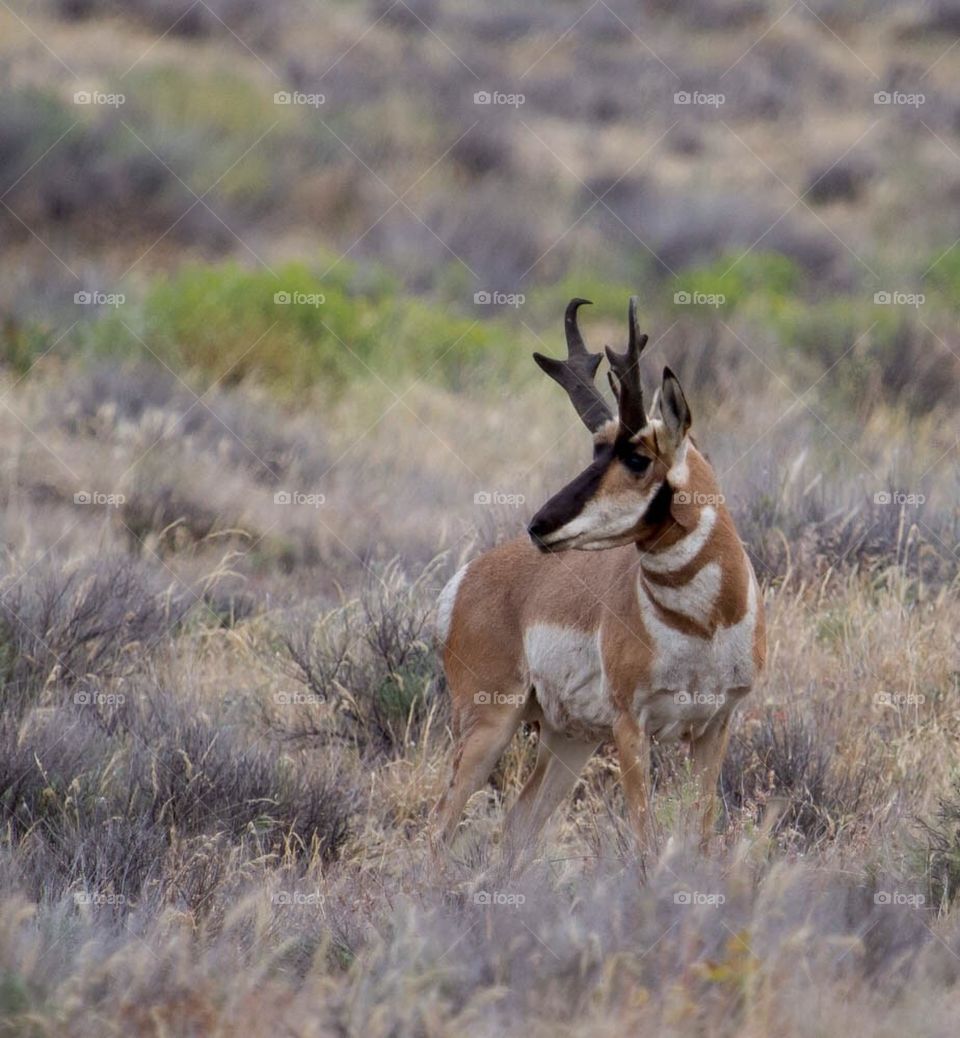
(270, 278)
(345, 229)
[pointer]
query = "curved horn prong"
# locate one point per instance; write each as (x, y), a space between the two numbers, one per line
(575, 343)
(626, 367)
(577, 372)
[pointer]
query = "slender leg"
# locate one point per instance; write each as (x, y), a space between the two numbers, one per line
(707, 755)
(559, 763)
(476, 756)
(633, 749)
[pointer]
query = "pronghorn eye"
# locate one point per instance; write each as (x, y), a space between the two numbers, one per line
(636, 462)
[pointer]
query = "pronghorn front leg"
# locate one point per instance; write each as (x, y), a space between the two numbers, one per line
(633, 749)
(559, 762)
(707, 755)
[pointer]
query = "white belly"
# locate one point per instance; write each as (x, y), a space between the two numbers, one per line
(691, 680)
(566, 672)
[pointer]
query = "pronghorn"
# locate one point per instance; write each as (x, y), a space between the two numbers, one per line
(660, 636)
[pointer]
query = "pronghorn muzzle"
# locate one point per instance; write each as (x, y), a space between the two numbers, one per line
(565, 506)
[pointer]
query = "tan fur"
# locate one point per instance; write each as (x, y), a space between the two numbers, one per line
(515, 588)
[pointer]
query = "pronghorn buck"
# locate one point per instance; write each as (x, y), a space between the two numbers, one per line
(652, 629)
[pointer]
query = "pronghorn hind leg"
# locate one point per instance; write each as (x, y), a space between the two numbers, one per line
(706, 755)
(483, 739)
(633, 749)
(559, 763)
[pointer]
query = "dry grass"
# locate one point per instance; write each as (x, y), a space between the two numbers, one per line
(209, 926)
(222, 723)
(214, 804)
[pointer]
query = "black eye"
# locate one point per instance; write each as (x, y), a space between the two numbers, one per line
(636, 462)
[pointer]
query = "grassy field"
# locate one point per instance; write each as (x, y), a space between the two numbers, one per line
(265, 336)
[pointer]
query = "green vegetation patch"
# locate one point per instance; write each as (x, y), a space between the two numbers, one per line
(762, 282)
(295, 330)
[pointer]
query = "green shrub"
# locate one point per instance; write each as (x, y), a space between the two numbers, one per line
(764, 282)
(22, 344)
(943, 278)
(293, 331)
(876, 354)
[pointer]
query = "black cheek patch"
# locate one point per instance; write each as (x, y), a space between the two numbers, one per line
(658, 511)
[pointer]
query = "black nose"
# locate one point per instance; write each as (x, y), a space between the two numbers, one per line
(538, 529)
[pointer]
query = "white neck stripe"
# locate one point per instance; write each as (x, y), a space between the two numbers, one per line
(696, 599)
(685, 550)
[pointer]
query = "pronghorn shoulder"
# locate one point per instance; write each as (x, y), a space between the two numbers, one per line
(486, 584)
(516, 578)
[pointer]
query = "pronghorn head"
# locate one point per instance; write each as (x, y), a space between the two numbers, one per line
(636, 487)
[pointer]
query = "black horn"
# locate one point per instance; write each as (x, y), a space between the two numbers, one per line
(626, 369)
(577, 372)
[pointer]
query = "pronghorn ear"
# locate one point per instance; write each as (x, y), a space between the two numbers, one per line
(674, 409)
